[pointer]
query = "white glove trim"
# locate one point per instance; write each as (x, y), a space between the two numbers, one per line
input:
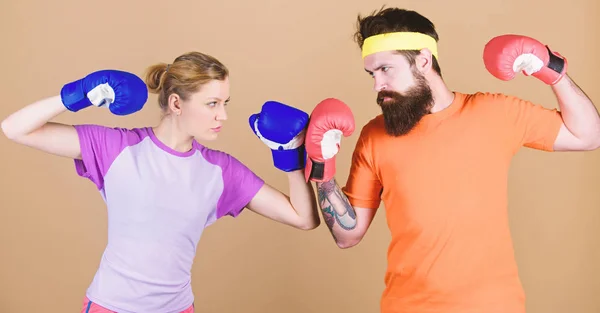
(296, 142)
(102, 95)
(330, 144)
(528, 62)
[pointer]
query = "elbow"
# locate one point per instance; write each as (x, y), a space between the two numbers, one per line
(595, 143)
(592, 144)
(10, 131)
(6, 130)
(347, 243)
(593, 147)
(309, 225)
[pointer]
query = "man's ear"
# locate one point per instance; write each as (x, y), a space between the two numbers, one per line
(424, 61)
(175, 103)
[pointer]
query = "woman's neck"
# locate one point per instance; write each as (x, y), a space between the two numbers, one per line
(170, 134)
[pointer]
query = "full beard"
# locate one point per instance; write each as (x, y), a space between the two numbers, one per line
(402, 112)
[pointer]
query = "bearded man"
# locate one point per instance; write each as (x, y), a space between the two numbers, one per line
(439, 160)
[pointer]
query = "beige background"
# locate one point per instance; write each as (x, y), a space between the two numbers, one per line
(298, 52)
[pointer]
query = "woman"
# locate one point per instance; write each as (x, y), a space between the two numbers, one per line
(160, 185)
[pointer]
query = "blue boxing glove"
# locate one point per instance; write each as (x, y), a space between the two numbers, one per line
(122, 92)
(282, 128)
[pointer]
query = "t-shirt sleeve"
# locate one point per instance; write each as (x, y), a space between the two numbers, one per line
(240, 185)
(363, 187)
(533, 125)
(99, 145)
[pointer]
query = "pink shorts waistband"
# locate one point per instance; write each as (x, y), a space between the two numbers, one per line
(91, 307)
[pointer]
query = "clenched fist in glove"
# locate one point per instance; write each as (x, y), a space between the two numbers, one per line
(329, 121)
(506, 55)
(121, 92)
(282, 128)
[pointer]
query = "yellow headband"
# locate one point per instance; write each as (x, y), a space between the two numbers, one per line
(399, 41)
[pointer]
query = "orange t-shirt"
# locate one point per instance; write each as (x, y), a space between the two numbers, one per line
(444, 187)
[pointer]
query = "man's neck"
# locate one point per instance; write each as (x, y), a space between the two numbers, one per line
(169, 133)
(442, 96)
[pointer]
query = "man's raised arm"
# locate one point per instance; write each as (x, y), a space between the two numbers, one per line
(507, 55)
(330, 120)
(347, 224)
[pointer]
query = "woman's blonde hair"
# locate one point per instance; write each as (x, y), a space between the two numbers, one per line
(184, 76)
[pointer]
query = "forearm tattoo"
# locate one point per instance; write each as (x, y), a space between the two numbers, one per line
(335, 206)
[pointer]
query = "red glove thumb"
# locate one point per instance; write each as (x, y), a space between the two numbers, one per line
(506, 55)
(330, 119)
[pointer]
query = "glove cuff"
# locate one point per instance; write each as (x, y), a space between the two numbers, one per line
(73, 97)
(554, 70)
(289, 160)
(319, 171)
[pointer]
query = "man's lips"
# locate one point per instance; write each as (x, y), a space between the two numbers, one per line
(384, 99)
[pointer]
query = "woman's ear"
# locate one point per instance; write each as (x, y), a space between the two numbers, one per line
(175, 103)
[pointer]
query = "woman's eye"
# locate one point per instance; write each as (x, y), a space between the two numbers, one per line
(212, 104)
(385, 69)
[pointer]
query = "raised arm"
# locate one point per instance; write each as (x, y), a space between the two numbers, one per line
(31, 125)
(282, 129)
(347, 224)
(581, 122)
(330, 120)
(577, 126)
(298, 210)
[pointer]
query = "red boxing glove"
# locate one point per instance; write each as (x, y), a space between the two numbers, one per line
(330, 119)
(505, 56)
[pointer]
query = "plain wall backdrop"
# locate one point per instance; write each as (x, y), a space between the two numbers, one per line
(53, 223)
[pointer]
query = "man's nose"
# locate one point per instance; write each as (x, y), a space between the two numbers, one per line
(379, 84)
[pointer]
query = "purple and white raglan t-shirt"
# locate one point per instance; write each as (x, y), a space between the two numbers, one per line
(159, 201)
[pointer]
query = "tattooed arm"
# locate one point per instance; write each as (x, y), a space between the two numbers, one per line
(581, 123)
(346, 223)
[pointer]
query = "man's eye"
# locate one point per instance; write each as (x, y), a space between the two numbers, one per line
(385, 69)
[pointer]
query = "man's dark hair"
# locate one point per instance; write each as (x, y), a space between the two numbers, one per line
(388, 20)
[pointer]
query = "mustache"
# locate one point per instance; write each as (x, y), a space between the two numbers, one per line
(392, 95)
(403, 111)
